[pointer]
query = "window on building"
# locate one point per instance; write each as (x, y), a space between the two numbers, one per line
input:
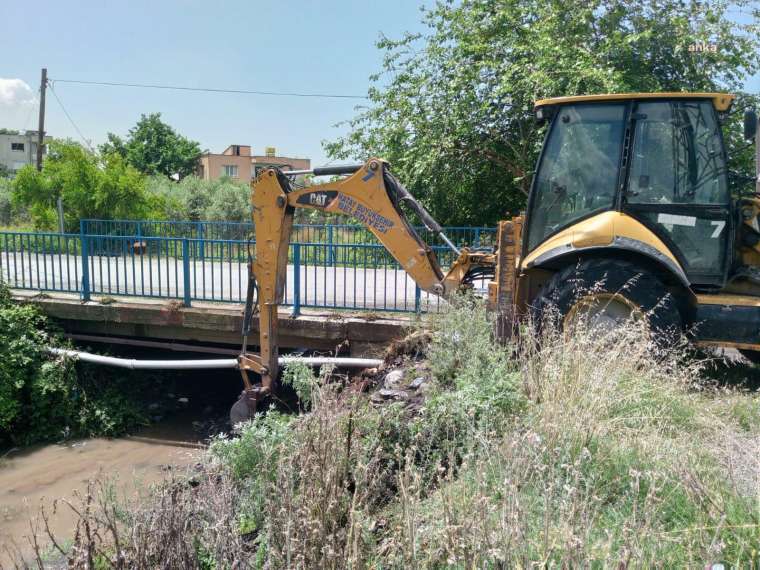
(18, 147)
(230, 170)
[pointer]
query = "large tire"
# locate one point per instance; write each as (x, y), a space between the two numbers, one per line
(622, 281)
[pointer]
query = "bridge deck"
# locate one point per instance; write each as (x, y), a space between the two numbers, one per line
(215, 324)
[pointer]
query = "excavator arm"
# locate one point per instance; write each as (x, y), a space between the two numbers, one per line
(371, 195)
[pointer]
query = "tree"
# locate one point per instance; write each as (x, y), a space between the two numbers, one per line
(5, 172)
(193, 198)
(229, 202)
(154, 147)
(452, 107)
(91, 185)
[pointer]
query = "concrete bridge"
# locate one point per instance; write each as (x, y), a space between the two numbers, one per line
(182, 284)
(213, 327)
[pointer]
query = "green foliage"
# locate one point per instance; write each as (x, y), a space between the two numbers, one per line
(193, 198)
(451, 108)
(301, 378)
(745, 411)
(154, 147)
(22, 335)
(106, 186)
(6, 202)
(43, 398)
(261, 443)
(476, 388)
(252, 459)
(91, 186)
(229, 201)
(5, 172)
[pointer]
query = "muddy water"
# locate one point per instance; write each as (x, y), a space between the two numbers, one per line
(37, 476)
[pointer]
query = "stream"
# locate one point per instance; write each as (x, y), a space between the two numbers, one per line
(35, 477)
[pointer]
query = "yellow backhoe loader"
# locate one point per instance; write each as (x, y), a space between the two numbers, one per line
(631, 202)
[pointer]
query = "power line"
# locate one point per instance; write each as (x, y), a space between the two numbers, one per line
(73, 124)
(32, 108)
(214, 90)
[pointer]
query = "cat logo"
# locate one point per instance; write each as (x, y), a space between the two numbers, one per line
(317, 199)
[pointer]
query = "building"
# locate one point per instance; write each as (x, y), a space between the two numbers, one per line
(18, 149)
(238, 163)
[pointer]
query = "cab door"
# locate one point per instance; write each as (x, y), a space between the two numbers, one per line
(677, 184)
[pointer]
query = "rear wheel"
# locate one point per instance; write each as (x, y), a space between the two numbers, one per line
(607, 293)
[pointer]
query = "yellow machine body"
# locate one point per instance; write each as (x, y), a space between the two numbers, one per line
(610, 230)
(600, 231)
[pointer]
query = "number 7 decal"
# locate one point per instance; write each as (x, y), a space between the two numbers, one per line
(718, 225)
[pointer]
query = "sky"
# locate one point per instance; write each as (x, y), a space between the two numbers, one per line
(308, 46)
(295, 46)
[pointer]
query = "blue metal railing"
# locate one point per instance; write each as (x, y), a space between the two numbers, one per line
(324, 274)
(302, 233)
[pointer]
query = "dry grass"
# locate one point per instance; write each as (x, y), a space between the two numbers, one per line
(186, 522)
(574, 450)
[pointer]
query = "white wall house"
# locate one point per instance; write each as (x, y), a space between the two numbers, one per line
(17, 150)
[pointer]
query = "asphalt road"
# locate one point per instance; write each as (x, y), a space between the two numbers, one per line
(382, 288)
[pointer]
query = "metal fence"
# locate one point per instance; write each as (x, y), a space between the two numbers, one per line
(332, 274)
(476, 237)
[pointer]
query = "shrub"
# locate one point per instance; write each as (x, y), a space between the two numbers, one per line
(228, 202)
(613, 463)
(194, 199)
(6, 202)
(45, 398)
(91, 186)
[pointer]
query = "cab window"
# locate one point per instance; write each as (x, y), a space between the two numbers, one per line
(578, 171)
(678, 183)
(677, 157)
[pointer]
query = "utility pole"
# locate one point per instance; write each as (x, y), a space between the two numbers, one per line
(41, 126)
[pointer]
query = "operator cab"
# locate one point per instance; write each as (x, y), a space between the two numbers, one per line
(659, 158)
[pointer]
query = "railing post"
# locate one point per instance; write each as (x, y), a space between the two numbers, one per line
(202, 243)
(186, 271)
(296, 280)
(83, 242)
(477, 237)
(331, 253)
(417, 298)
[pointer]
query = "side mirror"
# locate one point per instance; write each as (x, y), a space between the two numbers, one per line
(750, 124)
